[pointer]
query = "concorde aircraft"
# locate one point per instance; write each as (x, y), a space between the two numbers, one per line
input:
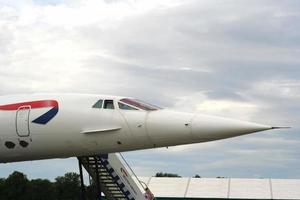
(43, 126)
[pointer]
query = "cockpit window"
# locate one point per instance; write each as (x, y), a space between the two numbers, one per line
(139, 104)
(109, 104)
(98, 104)
(125, 106)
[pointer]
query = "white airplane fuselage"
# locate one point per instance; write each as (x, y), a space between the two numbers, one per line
(43, 126)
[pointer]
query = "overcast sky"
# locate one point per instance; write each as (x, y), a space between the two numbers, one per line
(236, 59)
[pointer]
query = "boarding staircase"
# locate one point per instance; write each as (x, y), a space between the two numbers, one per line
(115, 177)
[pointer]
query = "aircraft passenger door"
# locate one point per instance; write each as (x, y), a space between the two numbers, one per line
(22, 121)
(136, 122)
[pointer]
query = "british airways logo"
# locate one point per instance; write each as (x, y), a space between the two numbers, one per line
(43, 119)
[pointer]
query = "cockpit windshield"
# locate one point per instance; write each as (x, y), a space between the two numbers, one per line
(139, 104)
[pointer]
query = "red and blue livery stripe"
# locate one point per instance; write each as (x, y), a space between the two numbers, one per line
(43, 119)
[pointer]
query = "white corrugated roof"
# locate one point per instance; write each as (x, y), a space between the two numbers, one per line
(224, 188)
(250, 188)
(208, 188)
(286, 189)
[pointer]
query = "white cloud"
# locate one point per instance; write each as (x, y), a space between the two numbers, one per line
(278, 88)
(231, 59)
(201, 103)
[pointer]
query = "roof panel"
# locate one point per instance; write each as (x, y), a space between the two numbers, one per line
(250, 188)
(286, 188)
(168, 187)
(208, 188)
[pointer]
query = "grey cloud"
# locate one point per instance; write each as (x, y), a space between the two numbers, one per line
(195, 44)
(224, 51)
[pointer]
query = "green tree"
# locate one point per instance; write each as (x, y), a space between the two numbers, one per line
(2, 188)
(197, 176)
(68, 186)
(41, 189)
(161, 174)
(90, 191)
(16, 186)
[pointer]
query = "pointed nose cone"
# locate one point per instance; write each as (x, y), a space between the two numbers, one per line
(214, 128)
